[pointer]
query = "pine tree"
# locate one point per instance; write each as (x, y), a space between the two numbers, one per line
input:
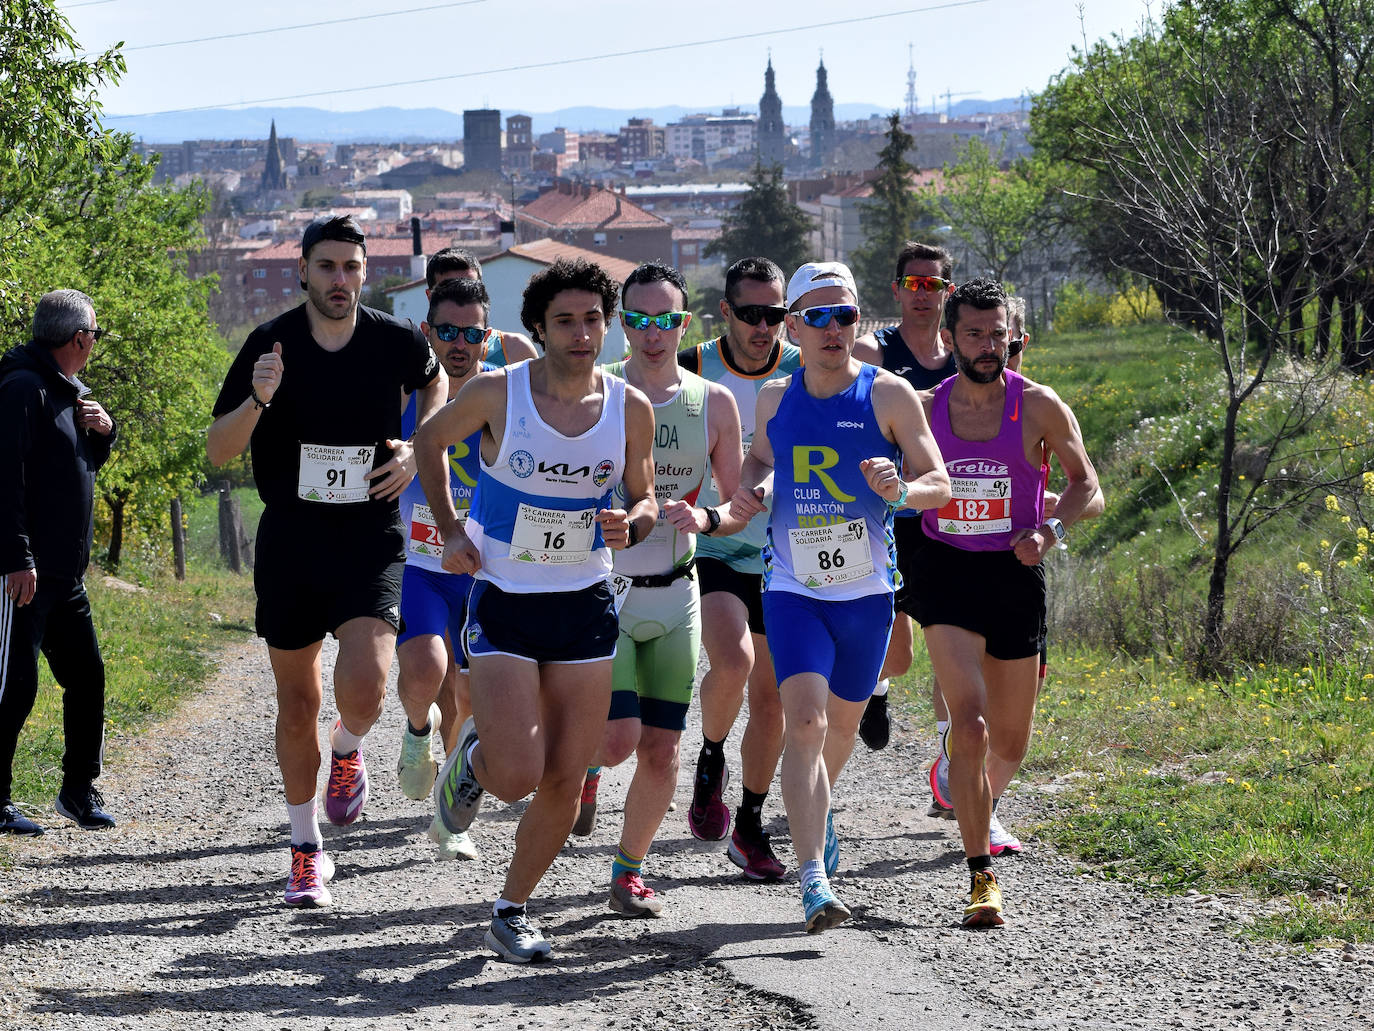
(888, 221)
(766, 224)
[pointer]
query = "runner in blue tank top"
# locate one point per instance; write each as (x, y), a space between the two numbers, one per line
(432, 682)
(504, 347)
(557, 437)
(831, 441)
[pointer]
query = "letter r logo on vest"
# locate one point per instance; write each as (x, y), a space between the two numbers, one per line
(803, 465)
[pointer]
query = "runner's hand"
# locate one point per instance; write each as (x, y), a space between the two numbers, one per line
(267, 373)
(882, 477)
(395, 476)
(1031, 546)
(748, 503)
(682, 517)
(20, 586)
(459, 554)
(615, 527)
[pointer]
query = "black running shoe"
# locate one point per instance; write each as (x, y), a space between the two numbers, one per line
(85, 806)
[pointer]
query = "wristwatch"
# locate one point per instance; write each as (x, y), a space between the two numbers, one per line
(901, 496)
(1057, 528)
(632, 534)
(712, 521)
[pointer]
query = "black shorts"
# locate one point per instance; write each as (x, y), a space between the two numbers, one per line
(713, 575)
(312, 578)
(989, 593)
(557, 626)
(908, 536)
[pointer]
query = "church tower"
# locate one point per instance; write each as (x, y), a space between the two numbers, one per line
(273, 174)
(822, 121)
(772, 134)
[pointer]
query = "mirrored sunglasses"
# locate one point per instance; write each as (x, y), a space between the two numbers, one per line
(930, 284)
(668, 320)
(820, 316)
(448, 333)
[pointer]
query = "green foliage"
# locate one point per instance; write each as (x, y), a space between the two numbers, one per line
(1077, 306)
(888, 221)
(765, 224)
(79, 210)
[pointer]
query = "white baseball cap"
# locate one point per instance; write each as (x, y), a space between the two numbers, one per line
(816, 274)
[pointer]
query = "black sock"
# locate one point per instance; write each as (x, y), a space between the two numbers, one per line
(749, 816)
(417, 733)
(979, 863)
(712, 755)
(508, 911)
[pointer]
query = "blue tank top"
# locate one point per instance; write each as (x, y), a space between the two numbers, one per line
(996, 491)
(829, 534)
(424, 546)
(534, 509)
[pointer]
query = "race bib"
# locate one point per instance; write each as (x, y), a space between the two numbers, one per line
(551, 536)
(620, 591)
(425, 538)
(827, 556)
(334, 475)
(979, 504)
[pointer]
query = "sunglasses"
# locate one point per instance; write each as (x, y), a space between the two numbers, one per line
(820, 316)
(931, 284)
(448, 333)
(1015, 345)
(97, 332)
(668, 320)
(750, 314)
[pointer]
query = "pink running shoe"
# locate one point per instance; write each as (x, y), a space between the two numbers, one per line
(311, 870)
(346, 792)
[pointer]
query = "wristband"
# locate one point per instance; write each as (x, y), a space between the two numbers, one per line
(257, 401)
(633, 534)
(901, 498)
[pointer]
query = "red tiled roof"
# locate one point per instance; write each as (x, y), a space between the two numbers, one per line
(574, 211)
(546, 252)
(377, 247)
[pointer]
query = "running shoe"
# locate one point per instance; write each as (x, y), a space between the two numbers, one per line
(630, 896)
(999, 838)
(311, 871)
(346, 793)
(823, 909)
(416, 767)
(516, 940)
(832, 845)
(586, 814)
(85, 805)
(452, 846)
(755, 857)
(985, 901)
(709, 816)
(12, 821)
(875, 727)
(941, 805)
(457, 795)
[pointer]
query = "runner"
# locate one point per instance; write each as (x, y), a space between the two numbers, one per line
(831, 445)
(742, 360)
(433, 602)
(914, 350)
(504, 347)
(656, 590)
(979, 590)
(317, 391)
(557, 438)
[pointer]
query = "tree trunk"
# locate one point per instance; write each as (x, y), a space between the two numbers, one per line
(178, 540)
(230, 528)
(1366, 363)
(1297, 330)
(1209, 659)
(116, 552)
(1321, 342)
(1350, 341)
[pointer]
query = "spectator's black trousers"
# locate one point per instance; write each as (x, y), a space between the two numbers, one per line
(58, 622)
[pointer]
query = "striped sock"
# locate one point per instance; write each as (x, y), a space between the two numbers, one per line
(625, 863)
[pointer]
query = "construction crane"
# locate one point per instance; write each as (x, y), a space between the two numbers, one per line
(947, 95)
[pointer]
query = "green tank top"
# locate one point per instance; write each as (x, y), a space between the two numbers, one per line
(681, 450)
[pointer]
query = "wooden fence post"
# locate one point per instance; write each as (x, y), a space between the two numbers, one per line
(230, 528)
(178, 540)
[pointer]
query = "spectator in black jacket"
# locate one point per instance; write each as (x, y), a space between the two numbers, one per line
(55, 438)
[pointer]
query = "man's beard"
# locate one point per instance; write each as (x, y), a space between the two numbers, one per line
(968, 367)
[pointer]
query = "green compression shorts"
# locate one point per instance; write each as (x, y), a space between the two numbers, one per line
(656, 655)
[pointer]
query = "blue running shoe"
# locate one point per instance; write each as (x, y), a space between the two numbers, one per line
(832, 845)
(823, 909)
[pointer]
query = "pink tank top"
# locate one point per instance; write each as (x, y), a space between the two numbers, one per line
(995, 490)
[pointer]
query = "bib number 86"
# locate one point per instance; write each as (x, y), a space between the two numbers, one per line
(828, 560)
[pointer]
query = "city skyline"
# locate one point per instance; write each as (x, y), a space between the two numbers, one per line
(611, 54)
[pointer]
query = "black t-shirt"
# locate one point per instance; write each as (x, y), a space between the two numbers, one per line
(897, 357)
(330, 407)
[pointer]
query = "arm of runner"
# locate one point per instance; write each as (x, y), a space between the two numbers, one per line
(393, 477)
(1059, 430)
(903, 420)
(641, 508)
(517, 347)
(230, 433)
(479, 405)
(1094, 508)
(726, 456)
(756, 475)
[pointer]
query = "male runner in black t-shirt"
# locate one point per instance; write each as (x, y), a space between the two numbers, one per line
(318, 393)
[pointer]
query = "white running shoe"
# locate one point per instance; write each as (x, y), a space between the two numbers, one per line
(416, 767)
(452, 846)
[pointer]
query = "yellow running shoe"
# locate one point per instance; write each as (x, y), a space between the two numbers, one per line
(985, 901)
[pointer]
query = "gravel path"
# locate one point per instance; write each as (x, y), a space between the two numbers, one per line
(174, 919)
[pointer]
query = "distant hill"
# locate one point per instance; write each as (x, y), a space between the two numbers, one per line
(417, 125)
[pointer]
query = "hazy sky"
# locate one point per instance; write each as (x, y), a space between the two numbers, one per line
(461, 55)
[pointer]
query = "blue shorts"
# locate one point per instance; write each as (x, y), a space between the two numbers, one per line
(432, 602)
(551, 626)
(843, 641)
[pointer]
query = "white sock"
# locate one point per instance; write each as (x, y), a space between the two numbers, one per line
(344, 741)
(880, 688)
(502, 904)
(813, 870)
(305, 824)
